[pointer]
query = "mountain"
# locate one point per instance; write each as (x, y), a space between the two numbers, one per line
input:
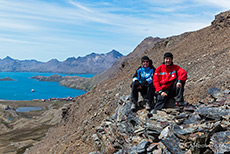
(90, 64)
(87, 84)
(204, 54)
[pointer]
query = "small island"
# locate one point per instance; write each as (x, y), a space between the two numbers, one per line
(7, 79)
(75, 82)
(52, 78)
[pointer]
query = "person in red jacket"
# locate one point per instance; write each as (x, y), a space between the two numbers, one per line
(169, 81)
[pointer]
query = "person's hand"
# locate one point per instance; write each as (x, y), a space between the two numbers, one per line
(139, 87)
(144, 83)
(179, 85)
(164, 94)
(137, 83)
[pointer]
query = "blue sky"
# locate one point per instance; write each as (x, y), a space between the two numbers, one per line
(47, 29)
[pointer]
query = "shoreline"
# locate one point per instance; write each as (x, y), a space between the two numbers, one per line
(25, 88)
(42, 100)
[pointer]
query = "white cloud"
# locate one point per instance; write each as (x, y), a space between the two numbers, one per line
(81, 15)
(154, 2)
(88, 25)
(18, 41)
(80, 6)
(16, 25)
(224, 4)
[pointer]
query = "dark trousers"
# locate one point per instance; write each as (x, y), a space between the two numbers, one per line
(172, 92)
(147, 93)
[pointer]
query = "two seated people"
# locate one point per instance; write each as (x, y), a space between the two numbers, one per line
(167, 81)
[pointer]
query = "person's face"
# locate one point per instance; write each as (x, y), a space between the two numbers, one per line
(145, 63)
(168, 61)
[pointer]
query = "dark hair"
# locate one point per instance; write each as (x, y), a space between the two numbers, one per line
(168, 54)
(145, 58)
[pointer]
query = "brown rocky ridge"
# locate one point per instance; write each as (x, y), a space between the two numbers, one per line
(204, 54)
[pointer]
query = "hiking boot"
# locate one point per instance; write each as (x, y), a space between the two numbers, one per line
(133, 107)
(147, 106)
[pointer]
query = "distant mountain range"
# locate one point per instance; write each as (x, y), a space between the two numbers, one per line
(90, 64)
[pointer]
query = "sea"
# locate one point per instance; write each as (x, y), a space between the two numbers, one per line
(25, 88)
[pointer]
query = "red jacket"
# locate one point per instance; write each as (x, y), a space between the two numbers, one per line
(166, 75)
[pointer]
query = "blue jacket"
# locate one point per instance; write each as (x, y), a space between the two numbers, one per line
(144, 74)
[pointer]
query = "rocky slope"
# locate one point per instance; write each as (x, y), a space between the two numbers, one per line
(204, 54)
(90, 64)
(200, 128)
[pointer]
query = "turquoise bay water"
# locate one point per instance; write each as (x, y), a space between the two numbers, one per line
(21, 88)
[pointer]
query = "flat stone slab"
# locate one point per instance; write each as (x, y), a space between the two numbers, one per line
(221, 142)
(215, 92)
(213, 112)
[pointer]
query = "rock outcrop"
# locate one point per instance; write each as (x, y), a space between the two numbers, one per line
(221, 20)
(7, 115)
(200, 128)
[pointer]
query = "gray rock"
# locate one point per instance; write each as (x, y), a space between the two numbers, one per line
(227, 101)
(177, 130)
(124, 113)
(183, 131)
(172, 144)
(122, 151)
(215, 92)
(151, 147)
(153, 128)
(99, 129)
(227, 91)
(4, 107)
(221, 142)
(142, 147)
(95, 137)
(182, 115)
(193, 118)
(213, 112)
(170, 141)
(139, 131)
(96, 152)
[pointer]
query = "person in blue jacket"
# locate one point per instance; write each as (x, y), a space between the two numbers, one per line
(143, 83)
